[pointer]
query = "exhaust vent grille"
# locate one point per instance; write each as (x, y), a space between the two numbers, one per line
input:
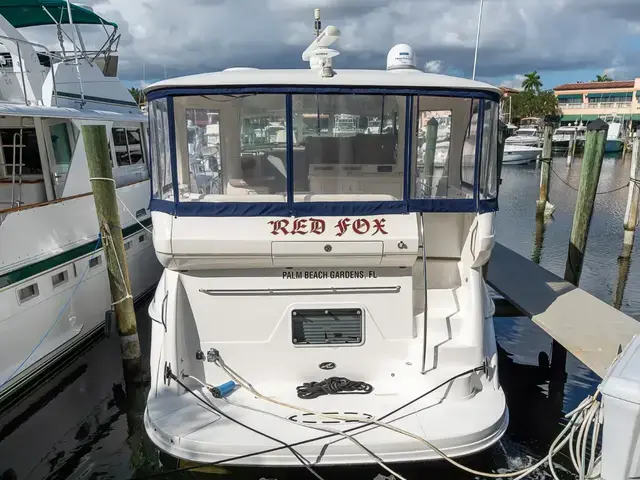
(332, 326)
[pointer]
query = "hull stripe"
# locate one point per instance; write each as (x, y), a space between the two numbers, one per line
(47, 264)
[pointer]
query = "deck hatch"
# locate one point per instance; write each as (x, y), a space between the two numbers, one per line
(331, 326)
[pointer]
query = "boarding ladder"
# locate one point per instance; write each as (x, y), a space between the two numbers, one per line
(16, 165)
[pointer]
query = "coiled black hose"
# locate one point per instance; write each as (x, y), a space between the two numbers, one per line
(333, 386)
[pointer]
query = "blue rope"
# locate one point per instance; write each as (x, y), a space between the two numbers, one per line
(75, 289)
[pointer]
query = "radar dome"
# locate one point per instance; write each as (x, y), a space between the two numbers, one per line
(401, 57)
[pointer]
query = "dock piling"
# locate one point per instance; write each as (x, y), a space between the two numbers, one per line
(429, 158)
(589, 178)
(543, 206)
(104, 194)
(631, 213)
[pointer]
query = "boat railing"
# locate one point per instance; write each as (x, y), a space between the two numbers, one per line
(49, 54)
(17, 148)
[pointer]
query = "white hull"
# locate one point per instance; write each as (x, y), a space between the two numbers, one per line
(523, 141)
(459, 332)
(520, 155)
(71, 226)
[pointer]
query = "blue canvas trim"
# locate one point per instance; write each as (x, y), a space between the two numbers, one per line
(232, 209)
(165, 206)
(172, 148)
(327, 209)
(455, 205)
(488, 205)
(311, 89)
(289, 154)
(342, 209)
(408, 137)
(477, 162)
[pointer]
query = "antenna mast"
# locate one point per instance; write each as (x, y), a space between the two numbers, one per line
(317, 24)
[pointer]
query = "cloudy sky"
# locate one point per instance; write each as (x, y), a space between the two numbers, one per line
(564, 40)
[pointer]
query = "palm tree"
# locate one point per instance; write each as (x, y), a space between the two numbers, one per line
(532, 82)
(603, 78)
(137, 95)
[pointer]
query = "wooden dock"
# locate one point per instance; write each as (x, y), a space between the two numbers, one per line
(589, 328)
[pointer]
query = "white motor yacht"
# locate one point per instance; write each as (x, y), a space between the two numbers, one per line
(520, 154)
(54, 289)
(562, 136)
(329, 287)
(614, 142)
(526, 136)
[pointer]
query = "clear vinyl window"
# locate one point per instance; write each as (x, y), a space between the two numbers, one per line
(231, 148)
(160, 149)
(348, 147)
(444, 147)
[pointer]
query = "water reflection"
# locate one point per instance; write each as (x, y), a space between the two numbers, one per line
(541, 229)
(624, 265)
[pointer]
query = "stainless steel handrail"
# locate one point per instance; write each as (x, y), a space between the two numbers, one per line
(289, 291)
(424, 315)
(49, 54)
(13, 170)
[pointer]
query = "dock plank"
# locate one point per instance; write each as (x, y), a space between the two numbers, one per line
(589, 328)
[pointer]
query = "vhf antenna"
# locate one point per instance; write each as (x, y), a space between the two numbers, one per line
(317, 24)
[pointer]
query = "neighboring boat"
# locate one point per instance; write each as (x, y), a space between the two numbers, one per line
(54, 289)
(520, 154)
(614, 143)
(344, 265)
(531, 122)
(524, 136)
(562, 136)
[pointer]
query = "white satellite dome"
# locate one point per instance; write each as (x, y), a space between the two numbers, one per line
(401, 57)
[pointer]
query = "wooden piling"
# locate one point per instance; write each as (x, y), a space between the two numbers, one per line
(104, 194)
(631, 213)
(543, 205)
(625, 145)
(431, 138)
(589, 178)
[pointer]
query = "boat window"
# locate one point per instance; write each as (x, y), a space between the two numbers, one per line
(434, 144)
(444, 164)
(62, 152)
(160, 150)
(231, 148)
(489, 153)
(128, 145)
(19, 149)
(346, 145)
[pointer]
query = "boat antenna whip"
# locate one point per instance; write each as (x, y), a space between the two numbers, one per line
(318, 54)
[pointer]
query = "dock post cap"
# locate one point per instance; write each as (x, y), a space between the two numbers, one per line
(433, 121)
(598, 124)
